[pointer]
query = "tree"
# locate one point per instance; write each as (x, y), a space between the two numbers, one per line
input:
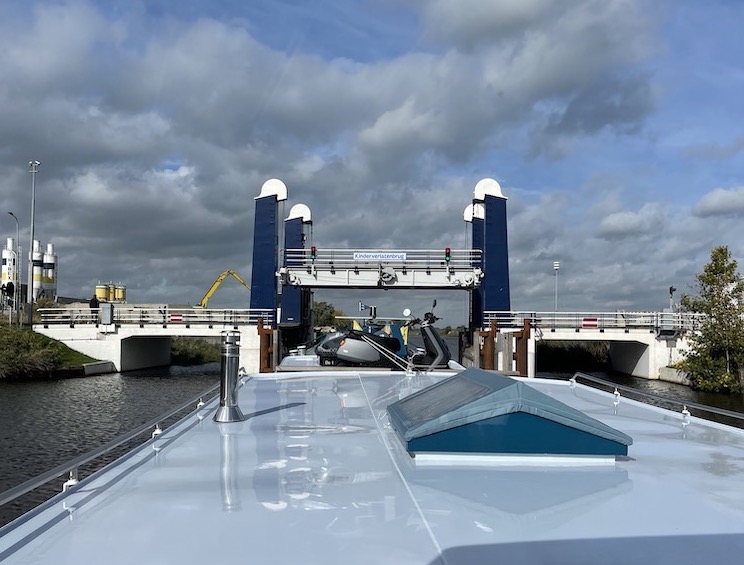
(716, 358)
(324, 314)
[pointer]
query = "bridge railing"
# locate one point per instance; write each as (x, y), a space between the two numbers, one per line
(621, 320)
(372, 259)
(142, 316)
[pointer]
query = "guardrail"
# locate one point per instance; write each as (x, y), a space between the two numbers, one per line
(661, 400)
(73, 465)
(372, 259)
(132, 315)
(653, 321)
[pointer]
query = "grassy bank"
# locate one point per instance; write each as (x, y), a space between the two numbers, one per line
(25, 354)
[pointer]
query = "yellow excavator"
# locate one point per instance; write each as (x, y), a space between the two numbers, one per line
(217, 283)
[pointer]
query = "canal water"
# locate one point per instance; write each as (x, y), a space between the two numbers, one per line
(46, 423)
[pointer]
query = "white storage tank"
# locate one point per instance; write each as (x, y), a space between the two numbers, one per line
(49, 269)
(8, 259)
(37, 259)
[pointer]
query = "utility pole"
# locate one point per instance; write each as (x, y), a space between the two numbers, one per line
(556, 268)
(33, 169)
(18, 271)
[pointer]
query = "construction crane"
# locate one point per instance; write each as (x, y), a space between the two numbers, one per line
(217, 283)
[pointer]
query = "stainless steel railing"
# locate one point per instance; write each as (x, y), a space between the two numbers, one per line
(656, 321)
(125, 314)
(372, 259)
(684, 404)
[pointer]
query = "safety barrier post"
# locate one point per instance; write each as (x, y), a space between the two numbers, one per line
(520, 355)
(265, 347)
(489, 347)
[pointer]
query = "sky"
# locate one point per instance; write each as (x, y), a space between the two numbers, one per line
(614, 127)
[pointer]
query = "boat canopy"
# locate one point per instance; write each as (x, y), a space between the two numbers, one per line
(477, 411)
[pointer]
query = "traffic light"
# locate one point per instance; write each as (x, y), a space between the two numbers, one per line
(447, 254)
(313, 253)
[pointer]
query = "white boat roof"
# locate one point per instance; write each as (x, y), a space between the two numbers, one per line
(317, 475)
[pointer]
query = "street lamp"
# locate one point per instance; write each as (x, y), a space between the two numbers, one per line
(18, 277)
(33, 169)
(556, 268)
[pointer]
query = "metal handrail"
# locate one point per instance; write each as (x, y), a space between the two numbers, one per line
(412, 258)
(683, 403)
(618, 320)
(126, 314)
(72, 465)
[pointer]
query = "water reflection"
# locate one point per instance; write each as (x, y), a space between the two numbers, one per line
(47, 422)
(298, 466)
(229, 465)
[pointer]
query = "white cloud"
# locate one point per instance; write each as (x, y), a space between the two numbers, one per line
(156, 131)
(721, 202)
(648, 220)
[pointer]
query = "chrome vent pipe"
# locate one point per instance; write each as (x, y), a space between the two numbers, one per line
(229, 411)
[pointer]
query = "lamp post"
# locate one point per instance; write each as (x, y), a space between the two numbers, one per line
(18, 277)
(556, 268)
(33, 169)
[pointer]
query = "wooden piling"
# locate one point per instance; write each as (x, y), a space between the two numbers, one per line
(265, 347)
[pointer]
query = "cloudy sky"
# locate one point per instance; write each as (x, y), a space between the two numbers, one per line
(615, 128)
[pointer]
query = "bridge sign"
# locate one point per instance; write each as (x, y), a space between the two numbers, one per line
(589, 323)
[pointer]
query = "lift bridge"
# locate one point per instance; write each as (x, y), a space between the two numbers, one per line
(288, 264)
(287, 267)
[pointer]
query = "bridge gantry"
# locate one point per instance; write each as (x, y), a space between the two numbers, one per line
(376, 268)
(288, 264)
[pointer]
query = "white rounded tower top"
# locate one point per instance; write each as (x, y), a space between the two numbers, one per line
(487, 187)
(476, 210)
(274, 187)
(300, 211)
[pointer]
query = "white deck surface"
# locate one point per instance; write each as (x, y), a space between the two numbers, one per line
(316, 475)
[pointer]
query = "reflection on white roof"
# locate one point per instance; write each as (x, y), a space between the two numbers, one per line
(317, 475)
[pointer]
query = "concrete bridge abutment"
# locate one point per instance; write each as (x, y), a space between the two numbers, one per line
(642, 354)
(130, 348)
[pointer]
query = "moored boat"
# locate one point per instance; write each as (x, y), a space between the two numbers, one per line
(325, 468)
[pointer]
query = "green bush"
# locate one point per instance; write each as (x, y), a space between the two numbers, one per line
(193, 351)
(715, 360)
(24, 354)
